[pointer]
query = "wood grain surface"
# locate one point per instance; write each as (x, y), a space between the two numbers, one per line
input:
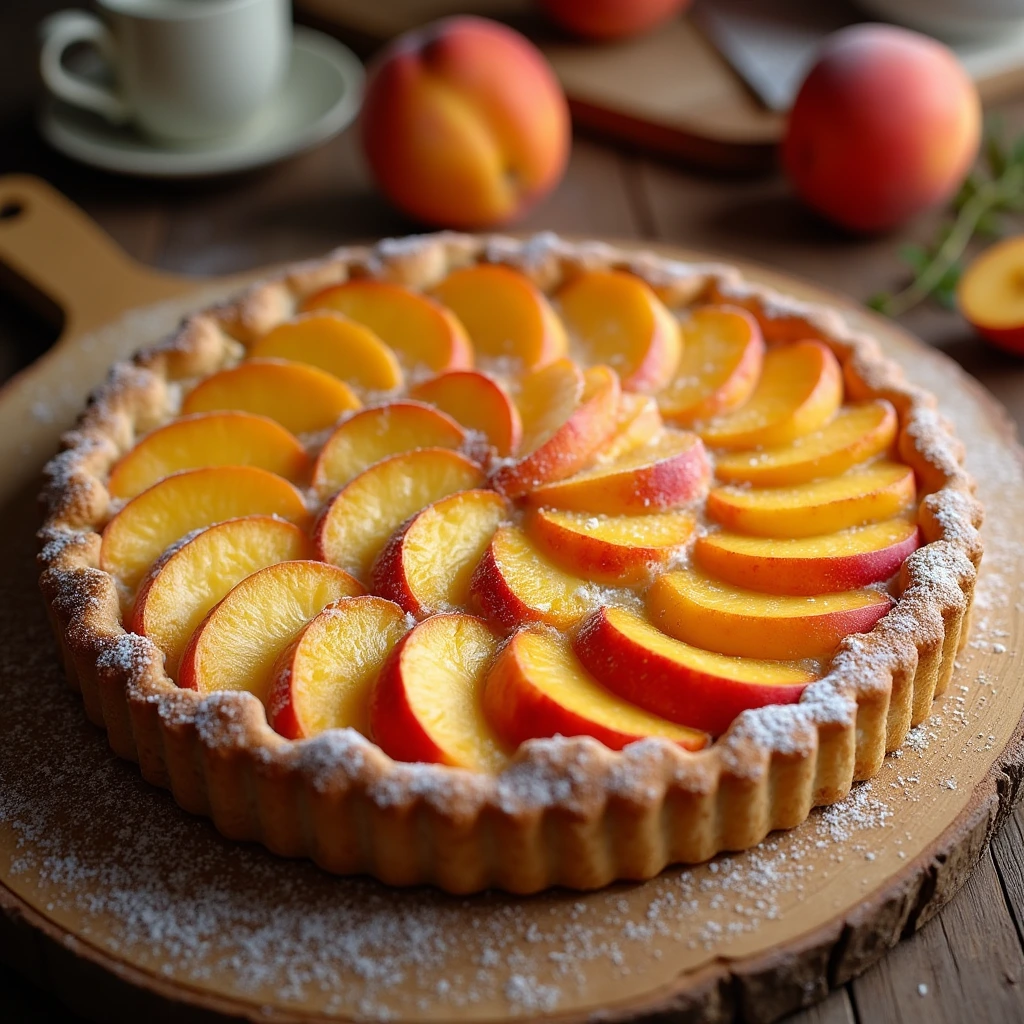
(965, 964)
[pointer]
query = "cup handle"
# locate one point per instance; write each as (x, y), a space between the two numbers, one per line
(59, 31)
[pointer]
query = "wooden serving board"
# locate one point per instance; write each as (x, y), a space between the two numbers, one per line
(123, 905)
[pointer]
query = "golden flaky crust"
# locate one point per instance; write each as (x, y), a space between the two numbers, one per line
(566, 811)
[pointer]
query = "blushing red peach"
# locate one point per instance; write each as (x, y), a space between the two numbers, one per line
(464, 123)
(886, 125)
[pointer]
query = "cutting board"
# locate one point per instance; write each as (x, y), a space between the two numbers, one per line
(126, 908)
(669, 91)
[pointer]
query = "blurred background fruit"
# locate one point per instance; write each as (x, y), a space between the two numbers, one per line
(607, 20)
(885, 125)
(464, 123)
(991, 294)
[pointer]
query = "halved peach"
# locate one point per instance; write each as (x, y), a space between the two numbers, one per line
(191, 500)
(537, 687)
(299, 397)
(190, 579)
(566, 417)
(361, 517)
(679, 682)
(615, 318)
(506, 315)
(427, 564)
(426, 704)
(375, 433)
(721, 363)
(855, 557)
(322, 679)
(239, 642)
(858, 433)
(208, 439)
(420, 331)
(800, 390)
(637, 422)
(516, 583)
(990, 295)
(477, 402)
(670, 471)
(610, 549)
(749, 624)
(868, 494)
(336, 344)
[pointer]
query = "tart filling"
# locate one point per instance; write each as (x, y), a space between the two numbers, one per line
(635, 568)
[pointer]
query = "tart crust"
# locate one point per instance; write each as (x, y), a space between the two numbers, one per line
(565, 812)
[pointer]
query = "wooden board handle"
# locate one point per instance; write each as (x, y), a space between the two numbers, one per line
(52, 245)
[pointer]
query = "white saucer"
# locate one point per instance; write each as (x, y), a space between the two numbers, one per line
(319, 99)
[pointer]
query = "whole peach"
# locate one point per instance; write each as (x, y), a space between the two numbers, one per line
(464, 123)
(611, 19)
(886, 124)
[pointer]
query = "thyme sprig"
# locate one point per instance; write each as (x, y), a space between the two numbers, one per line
(993, 189)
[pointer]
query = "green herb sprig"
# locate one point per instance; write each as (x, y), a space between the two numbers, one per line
(993, 189)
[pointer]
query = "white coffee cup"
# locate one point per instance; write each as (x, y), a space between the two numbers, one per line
(185, 70)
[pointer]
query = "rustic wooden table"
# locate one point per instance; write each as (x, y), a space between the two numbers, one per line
(967, 963)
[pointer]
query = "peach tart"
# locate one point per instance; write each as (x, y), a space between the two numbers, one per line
(489, 563)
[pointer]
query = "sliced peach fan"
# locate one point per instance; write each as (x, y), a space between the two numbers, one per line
(550, 549)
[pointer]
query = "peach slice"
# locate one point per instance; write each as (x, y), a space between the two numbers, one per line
(537, 687)
(851, 558)
(616, 319)
(701, 611)
(515, 583)
(800, 389)
(367, 510)
(506, 315)
(720, 366)
(638, 422)
(420, 331)
(869, 494)
(990, 295)
(427, 702)
(858, 433)
(610, 549)
(322, 680)
(237, 645)
(190, 579)
(192, 500)
(208, 439)
(299, 397)
(477, 402)
(373, 434)
(426, 566)
(667, 473)
(673, 680)
(333, 343)
(566, 417)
